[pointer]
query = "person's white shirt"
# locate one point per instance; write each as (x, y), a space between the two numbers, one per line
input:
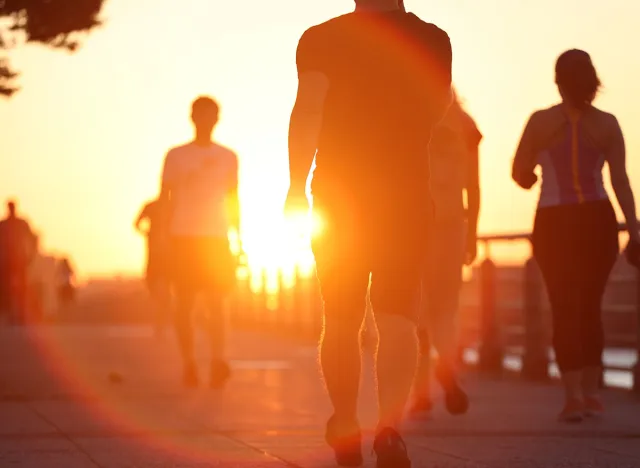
(199, 179)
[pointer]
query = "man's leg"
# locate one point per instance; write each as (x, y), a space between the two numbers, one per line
(222, 277)
(185, 299)
(343, 278)
(184, 278)
(160, 290)
(422, 382)
(444, 291)
(395, 295)
(422, 402)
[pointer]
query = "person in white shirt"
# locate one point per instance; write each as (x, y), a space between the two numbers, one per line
(200, 184)
(454, 171)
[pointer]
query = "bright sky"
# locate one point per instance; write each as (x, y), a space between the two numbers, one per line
(82, 144)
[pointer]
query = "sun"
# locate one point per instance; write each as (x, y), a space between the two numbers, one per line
(275, 248)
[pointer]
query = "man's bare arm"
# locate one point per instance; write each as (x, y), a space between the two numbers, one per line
(441, 75)
(141, 217)
(305, 125)
(473, 191)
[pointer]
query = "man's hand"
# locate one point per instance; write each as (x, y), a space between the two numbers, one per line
(296, 203)
(471, 248)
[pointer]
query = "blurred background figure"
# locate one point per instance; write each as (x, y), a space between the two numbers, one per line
(200, 181)
(575, 235)
(17, 247)
(66, 283)
(452, 242)
(43, 287)
(155, 215)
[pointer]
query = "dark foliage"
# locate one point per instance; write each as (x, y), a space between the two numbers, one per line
(55, 23)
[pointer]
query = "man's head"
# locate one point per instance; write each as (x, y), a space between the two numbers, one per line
(381, 4)
(11, 208)
(204, 114)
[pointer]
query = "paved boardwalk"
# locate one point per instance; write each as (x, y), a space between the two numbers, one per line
(77, 397)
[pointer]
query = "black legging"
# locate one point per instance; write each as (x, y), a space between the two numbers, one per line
(576, 247)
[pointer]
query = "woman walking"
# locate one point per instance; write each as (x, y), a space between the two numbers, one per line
(454, 155)
(575, 235)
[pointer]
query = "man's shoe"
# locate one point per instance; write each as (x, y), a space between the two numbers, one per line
(346, 442)
(455, 398)
(220, 373)
(391, 450)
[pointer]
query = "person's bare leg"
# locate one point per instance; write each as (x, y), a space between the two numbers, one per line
(422, 380)
(396, 362)
(161, 295)
(217, 328)
(185, 335)
(340, 360)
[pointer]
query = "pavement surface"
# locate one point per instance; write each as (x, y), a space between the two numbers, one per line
(110, 397)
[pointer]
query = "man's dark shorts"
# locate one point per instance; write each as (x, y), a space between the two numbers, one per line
(158, 268)
(202, 264)
(358, 238)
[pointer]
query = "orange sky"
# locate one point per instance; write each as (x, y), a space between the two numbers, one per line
(82, 144)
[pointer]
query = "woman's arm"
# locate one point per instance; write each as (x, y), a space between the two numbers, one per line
(616, 158)
(524, 161)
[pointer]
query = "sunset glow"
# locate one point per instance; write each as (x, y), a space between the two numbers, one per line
(84, 140)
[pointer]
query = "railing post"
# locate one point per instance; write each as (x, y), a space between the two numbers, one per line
(535, 362)
(636, 368)
(490, 359)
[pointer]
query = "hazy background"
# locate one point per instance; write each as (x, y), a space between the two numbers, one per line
(83, 142)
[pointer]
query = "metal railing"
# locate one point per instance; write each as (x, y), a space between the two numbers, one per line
(535, 329)
(298, 312)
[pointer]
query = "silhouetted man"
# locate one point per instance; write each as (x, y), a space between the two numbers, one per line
(371, 86)
(17, 243)
(200, 182)
(157, 271)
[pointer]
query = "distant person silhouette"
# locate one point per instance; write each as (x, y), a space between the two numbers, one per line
(200, 182)
(575, 235)
(66, 278)
(371, 85)
(17, 248)
(452, 243)
(158, 250)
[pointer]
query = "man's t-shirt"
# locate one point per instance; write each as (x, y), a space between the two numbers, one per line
(199, 179)
(454, 141)
(389, 79)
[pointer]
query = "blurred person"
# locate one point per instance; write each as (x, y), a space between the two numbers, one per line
(200, 183)
(157, 257)
(17, 248)
(371, 85)
(42, 272)
(452, 243)
(575, 234)
(66, 279)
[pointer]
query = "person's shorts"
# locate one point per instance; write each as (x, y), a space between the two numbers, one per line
(157, 271)
(202, 264)
(355, 242)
